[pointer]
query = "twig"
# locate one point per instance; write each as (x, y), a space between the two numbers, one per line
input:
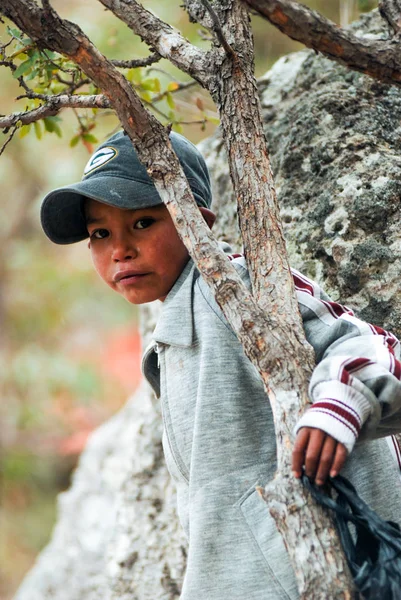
(8, 140)
(52, 107)
(218, 29)
(59, 67)
(12, 67)
(139, 62)
(181, 86)
(164, 39)
(72, 87)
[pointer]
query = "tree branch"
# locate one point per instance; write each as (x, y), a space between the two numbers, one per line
(391, 11)
(138, 62)
(8, 140)
(217, 28)
(53, 106)
(380, 59)
(166, 40)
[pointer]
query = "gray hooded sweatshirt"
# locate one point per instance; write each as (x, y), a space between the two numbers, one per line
(219, 439)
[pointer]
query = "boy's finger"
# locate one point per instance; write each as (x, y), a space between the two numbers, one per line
(339, 460)
(326, 461)
(313, 451)
(298, 453)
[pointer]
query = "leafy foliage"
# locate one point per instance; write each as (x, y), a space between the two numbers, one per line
(45, 75)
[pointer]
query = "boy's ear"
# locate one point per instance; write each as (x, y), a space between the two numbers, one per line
(208, 215)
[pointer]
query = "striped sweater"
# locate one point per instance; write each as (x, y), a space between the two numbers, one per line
(350, 383)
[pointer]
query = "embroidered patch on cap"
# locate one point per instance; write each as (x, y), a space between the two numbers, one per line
(100, 158)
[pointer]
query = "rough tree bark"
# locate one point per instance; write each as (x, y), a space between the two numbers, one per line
(129, 562)
(378, 57)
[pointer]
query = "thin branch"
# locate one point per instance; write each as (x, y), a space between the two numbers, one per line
(10, 65)
(54, 104)
(218, 29)
(179, 88)
(165, 40)
(52, 107)
(138, 62)
(8, 140)
(73, 87)
(391, 11)
(71, 84)
(380, 59)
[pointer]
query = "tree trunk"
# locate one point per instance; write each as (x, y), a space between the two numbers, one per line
(333, 142)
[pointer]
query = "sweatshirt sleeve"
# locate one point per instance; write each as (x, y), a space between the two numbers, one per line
(355, 388)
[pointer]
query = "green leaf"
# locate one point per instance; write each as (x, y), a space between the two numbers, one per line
(177, 127)
(56, 87)
(88, 137)
(170, 100)
(48, 123)
(16, 33)
(151, 85)
(38, 130)
(22, 56)
(32, 74)
(35, 55)
(23, 68)
(74, 141)
(25, 129)
(58, 131)
(51, 125)
(50, 55)
(214, 120)
(135, 75)
(146, 96)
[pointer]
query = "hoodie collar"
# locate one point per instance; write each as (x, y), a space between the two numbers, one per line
(175, 324)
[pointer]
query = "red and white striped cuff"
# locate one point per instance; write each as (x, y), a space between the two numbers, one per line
(339, 410)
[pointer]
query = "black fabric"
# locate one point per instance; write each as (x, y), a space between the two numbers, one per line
(375, 557)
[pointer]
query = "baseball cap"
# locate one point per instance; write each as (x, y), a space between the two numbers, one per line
(115, 176)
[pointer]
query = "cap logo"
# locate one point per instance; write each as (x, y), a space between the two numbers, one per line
(100, 158)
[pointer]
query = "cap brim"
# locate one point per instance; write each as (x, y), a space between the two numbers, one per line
(62, 213)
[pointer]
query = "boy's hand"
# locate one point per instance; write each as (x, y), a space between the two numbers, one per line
(319, 453)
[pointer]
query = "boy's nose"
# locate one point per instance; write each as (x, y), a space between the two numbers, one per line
(123, 251)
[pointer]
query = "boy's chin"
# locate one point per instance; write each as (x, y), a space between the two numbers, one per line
(138, 300)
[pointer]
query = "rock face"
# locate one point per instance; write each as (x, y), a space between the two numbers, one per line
(334, 138)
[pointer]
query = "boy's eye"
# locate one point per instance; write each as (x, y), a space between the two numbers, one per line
(99, 234)
(144, 223)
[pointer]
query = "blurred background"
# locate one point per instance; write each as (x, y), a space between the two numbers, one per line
(69, 347)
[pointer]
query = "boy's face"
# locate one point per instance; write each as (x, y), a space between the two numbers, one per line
(138, 253)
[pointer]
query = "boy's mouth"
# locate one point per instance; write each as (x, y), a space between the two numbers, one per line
(127, 276)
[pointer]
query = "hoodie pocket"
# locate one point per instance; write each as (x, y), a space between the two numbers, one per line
(269, 543)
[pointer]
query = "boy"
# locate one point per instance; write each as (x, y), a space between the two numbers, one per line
(219, 438)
